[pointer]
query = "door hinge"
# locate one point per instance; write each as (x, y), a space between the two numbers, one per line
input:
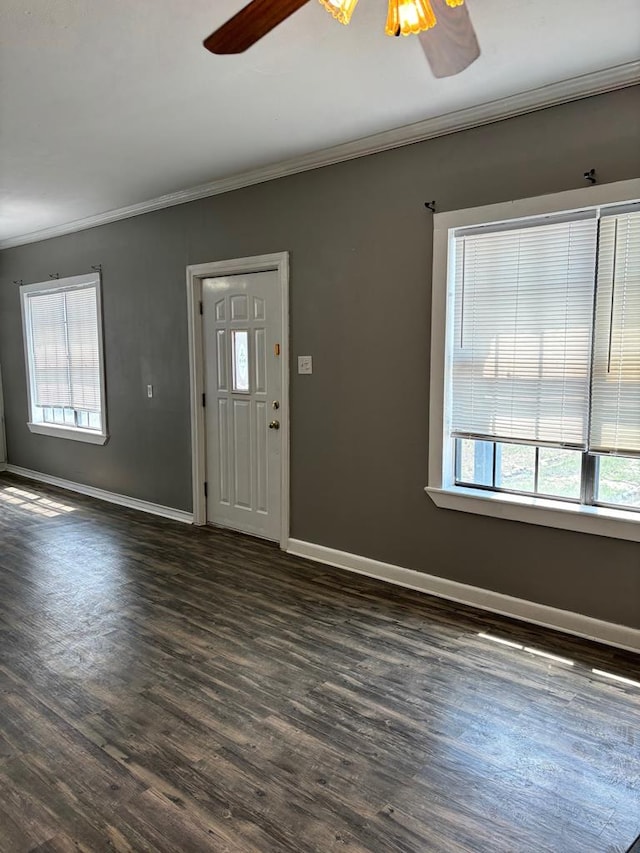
(206, 490)
(204, 399)
(201, 311)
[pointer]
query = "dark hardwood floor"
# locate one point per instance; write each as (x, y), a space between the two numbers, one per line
(170, 688)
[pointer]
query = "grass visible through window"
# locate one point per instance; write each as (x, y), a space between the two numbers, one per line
(547, 472)
(619, 481)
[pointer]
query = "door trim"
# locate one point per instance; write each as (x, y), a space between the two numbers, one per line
(3, 429)
(279, 262)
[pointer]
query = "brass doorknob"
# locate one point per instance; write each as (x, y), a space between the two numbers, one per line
(274, 425)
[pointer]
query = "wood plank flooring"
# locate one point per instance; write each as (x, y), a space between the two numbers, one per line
(167, 688)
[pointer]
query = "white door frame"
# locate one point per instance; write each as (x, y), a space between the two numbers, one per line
(195, 274)
(3, 431)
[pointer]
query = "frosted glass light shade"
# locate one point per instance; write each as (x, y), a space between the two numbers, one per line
(342, 10)
(409, 16)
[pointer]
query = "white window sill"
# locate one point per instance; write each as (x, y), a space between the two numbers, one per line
(88, 435)
(601, 521)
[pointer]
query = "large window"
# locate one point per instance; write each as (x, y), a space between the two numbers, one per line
(537, 359)
(63, 345)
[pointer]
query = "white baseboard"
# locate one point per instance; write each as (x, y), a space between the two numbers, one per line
(620, 636)
(102, 495)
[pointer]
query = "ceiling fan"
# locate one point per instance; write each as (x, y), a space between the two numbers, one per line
(444, 27)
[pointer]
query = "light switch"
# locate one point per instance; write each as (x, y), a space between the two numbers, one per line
(149, 391)
(305, 364)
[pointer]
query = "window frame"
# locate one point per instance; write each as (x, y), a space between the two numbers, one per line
(441, 488)
(75, 433)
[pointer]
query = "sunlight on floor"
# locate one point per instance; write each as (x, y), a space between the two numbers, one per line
(34, 503)
(529, 649)
(619, 678)
(556, 658)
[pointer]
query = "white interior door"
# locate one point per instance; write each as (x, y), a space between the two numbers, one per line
(242, 333)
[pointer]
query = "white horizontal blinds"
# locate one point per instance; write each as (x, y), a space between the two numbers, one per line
(65, 357)
(49, 362)
(83, 347)
(615, 416)
(522, 326)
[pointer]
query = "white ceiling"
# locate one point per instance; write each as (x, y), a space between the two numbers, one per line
(109, 103)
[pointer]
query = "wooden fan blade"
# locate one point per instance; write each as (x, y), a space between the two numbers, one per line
(250, 24)
(451, 46)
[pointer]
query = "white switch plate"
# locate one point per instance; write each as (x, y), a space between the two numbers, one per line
(149, 391)
(305, 364)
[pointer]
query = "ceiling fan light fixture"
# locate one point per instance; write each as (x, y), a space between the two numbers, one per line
(342, 10)
(408, 17)
(454, 3)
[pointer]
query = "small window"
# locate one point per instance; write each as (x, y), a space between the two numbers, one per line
(519, 468)
(619, 481)
(62, 327)
(241, 360)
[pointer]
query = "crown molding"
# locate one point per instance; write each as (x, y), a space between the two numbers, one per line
(573, 89)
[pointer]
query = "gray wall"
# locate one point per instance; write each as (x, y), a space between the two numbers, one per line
(360, 242)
